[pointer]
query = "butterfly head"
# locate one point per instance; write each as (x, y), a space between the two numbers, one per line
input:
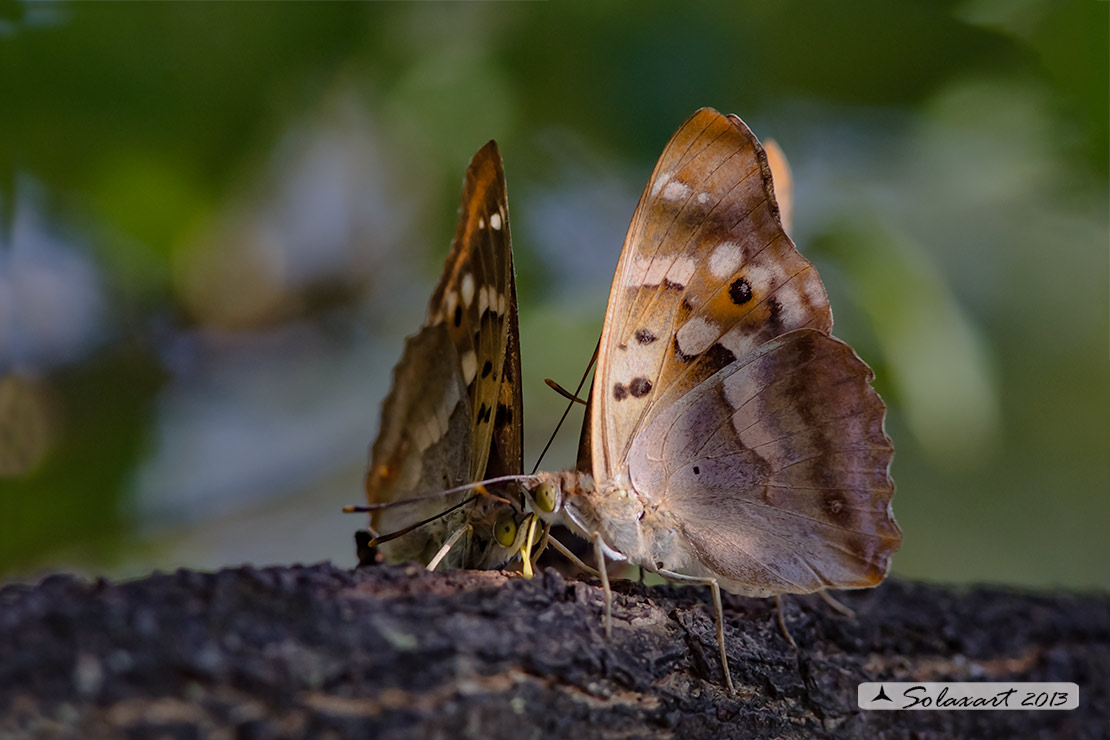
(497, 525)
(498, 533)
(562, 498)
(547, 497)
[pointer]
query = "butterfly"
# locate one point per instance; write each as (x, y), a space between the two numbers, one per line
(454, 414)
(729, 440)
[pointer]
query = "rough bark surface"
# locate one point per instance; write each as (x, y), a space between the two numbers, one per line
(401, 653)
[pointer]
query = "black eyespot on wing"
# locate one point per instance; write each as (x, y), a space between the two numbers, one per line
(639, 387)
(487, 369)
(697, 470)
(672, 285)
(484, 413)
(645, 336)
(458, 315)
(620, 392)
(740, 291)
(504, 415)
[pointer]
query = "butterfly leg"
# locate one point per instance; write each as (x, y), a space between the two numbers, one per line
(846, 611)
(542, 544)
(600, 554)
(526, 548)
(717, 605)
(782, 623)
(572, 557)
(447, 546)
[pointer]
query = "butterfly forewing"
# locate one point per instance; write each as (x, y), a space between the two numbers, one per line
(507, 449)
(474, 297)
(706, 276)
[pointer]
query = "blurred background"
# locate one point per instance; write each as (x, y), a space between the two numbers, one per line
(219, 222)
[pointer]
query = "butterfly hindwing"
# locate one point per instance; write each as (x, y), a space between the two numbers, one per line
(707, 275)
(423, 444)
(776, 469)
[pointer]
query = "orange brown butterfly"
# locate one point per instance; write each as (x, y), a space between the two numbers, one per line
(729, 439)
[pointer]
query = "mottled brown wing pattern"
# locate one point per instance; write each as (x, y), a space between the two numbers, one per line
(454, 413)
(423, 443)
(776, 469)
(706, 276)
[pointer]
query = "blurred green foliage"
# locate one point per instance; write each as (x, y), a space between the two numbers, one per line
(951, 160)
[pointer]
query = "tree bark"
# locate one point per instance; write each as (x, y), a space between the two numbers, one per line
(394, 651)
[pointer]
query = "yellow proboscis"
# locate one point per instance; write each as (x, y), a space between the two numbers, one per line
(526, 548)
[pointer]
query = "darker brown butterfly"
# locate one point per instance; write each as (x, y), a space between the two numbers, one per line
(454, 414)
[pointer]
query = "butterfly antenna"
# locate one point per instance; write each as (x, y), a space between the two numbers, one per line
(573, 397)
(478, 486)
(374, 542)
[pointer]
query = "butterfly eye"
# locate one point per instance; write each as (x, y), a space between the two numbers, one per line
(505, 531)
(546, 495)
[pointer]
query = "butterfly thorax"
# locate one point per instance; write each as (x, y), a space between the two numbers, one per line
(632, 526)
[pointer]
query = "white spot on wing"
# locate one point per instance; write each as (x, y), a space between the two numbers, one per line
(814, 290)
(483, 299)
(696, 336)
(675, 189)
(737, 342)
(467, 289)
(421, 437)
(703, 198)
(429, 430)
(452, 301)
(443, 414)
(638, 272)
(764, 278)
(495, 221)
(638, 360)
(738, 391)
(682, 270)
(656, 271)
(661, 183)
(725, 260)
(481, 223)
(469, 362)
(648, 271)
